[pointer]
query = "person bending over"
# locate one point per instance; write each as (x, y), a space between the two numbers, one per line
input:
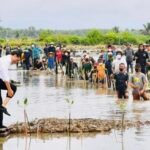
(5, 84)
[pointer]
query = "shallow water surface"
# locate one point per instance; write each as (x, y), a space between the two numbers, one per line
(132, 139)
(47, 94)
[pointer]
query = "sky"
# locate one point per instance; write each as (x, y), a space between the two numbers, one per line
(74, 14)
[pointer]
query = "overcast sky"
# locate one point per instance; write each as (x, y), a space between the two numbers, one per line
(74, 14)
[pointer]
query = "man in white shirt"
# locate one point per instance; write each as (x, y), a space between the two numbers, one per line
(116, 62)
(5, 84)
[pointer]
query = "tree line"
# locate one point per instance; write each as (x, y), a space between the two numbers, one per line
(75, 37)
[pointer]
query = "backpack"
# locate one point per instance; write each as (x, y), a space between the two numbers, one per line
(101, 71)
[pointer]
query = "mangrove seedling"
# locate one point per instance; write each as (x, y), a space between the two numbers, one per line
(70, 103)
(24, 104)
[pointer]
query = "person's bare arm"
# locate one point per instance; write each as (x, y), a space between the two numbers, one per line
(145, 85)
(132, 85)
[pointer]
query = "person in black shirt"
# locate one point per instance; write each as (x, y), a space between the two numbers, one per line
(72, 67)
(1, 48)
(27, 56)
(46, 50)
(108, 66)
(121, 79)
(141, 57)
(65, 62)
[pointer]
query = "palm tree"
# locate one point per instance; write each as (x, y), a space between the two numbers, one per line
(116, 29)
(146, 28)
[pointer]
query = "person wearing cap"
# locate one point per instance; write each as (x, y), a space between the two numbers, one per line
(141, 57)
(129, 53)
(138, 83)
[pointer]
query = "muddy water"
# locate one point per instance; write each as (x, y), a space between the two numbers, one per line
(47, 94)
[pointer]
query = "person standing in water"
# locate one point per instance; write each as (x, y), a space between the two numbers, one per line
(121, 79)
(5, 83)
(138, 83)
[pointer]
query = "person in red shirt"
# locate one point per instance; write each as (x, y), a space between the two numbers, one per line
(58, 55)
(58, 58)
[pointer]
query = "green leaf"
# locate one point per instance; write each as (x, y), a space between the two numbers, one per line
(25, 101)
(67, 100)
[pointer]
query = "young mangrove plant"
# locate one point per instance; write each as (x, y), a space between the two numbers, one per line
(70, 103)
(24, 103)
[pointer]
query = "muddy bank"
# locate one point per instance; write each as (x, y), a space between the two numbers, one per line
(53, 125)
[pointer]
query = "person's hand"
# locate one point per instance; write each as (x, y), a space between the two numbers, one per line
(10, 92)
(111, 76)
(141, 92)
(148, 63)
(135, 87)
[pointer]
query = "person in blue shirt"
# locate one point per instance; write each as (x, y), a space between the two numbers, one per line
(35, 54)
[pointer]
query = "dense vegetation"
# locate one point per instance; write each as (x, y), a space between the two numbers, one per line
(75, 37)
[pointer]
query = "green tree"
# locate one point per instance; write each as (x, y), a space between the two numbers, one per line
(111, 37)
(17, 35)
(74, 39)
(95, 37)
(44, 35)
(127, 37)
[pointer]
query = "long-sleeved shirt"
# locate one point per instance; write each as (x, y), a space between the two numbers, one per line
(5, 62)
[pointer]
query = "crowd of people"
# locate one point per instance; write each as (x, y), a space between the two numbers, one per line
(120, 69)
(115, 68)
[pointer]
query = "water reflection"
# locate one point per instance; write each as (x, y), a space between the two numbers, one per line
(47, 94)
(129, 140)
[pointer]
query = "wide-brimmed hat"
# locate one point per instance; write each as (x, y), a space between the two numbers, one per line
(119, 52)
